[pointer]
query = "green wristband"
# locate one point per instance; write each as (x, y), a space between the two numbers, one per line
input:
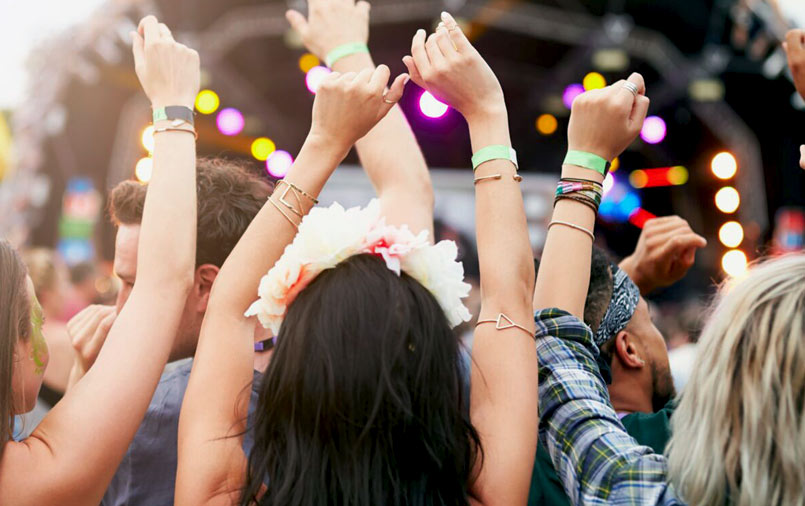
(587, 161)
(497, 152)
(345, 50)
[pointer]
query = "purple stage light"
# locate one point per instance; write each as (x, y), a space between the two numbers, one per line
(654, 130)
(230, 121)
(278, 163)
(431, 107)
(570, 94)
(315, 76)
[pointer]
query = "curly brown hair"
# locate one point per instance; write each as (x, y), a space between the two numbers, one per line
(229, 196)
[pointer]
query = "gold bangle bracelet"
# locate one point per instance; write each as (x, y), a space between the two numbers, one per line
(299, 190)
(283, 213)
(503, 322)
(494, 177)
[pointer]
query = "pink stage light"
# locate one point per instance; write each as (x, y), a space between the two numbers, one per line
(570, 94)
(278, 163)
(654, 130)
(431, 107)
(315, 76)
(230, 121)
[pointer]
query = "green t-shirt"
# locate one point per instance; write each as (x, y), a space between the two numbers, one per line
(649, 429)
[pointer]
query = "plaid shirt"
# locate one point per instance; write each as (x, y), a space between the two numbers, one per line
(597, 461)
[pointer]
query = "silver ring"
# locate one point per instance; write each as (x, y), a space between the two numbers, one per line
(632, 87)
(388, 101)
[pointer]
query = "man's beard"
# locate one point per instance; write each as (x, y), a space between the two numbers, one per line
(662, 387)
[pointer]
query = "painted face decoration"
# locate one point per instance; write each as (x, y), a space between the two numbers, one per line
(39, 347)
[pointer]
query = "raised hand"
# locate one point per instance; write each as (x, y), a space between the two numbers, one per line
(449, 67)
(604, 122)
(348, 105)
(169, 72)
(664, 253)
(331, 23)
(88, 330)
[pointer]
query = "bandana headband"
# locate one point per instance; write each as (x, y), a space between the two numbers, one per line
(622, 306)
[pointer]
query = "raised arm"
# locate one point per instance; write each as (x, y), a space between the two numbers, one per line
(504, 374)
(389, 152)
(794, 46)
(212, 466)
(71, 457)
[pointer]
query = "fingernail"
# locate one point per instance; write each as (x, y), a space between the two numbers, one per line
(445, 15)
(407, 78)
(421, 31)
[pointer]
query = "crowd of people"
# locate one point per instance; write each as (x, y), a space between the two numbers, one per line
(264, 350)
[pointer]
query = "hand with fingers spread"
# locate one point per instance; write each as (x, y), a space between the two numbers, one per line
(88, 330)
(168, 71)
(331, 23)
(664, 253)
(448, 66)
(604, 122)
(348, 105)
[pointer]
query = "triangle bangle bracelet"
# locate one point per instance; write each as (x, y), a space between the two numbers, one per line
(503, 322)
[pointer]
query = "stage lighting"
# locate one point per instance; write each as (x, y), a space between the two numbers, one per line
(262, 147)
(678, 175)
(230, 121)
(547, 124)
(207, 102)
(594, 81)
(143, 169)
(640, 216)
(315, 76)
(307, 61)
(724, 165)
(609, 182)
(728, 200)
(654, 130)
(734, 262)
(615, 60)
(431, 107)
(570, 94)
(615, 165)
(731, 234)
(147, 139)
(278, 163)
(638, 179)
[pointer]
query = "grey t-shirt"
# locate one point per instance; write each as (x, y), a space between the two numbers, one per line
(147, 474)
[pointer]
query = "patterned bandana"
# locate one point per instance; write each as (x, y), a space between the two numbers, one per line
(625, 296)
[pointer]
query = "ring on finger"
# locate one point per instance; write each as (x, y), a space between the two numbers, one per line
(632, 87)
(388, 101)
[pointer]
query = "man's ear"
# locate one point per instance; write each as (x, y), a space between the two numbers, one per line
(202, 285)
(627, 351)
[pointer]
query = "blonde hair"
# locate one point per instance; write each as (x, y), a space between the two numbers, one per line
(739, 430)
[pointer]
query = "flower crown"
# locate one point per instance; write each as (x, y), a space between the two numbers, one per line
(328, 236)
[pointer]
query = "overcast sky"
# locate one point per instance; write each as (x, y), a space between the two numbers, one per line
(22, 24)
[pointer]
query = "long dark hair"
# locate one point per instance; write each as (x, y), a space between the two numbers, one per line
(363, 401)
(15, 325)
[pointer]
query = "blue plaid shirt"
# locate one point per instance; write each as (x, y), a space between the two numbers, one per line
(597, 461)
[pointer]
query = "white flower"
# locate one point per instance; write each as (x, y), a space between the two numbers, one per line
(328, 236)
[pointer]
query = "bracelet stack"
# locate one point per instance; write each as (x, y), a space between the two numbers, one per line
(585, 191)
(181, 119)
(282, 204)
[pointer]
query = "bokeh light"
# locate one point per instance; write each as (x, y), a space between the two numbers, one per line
(230, 121)
(144, 169)
(307, 61)
(734, 262)
(609, 182)
(278, 163)
(207, 102)
(731, 234)
(147, 139)
(724, 165)
(678, 175)
(615, 165)
(654, 130)
(594, 81)
(431, 107)
(315, 76)
(570, 94)
(619, 203)
(262, 147)
(728, 200)
(547, 124)
(638, 178)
